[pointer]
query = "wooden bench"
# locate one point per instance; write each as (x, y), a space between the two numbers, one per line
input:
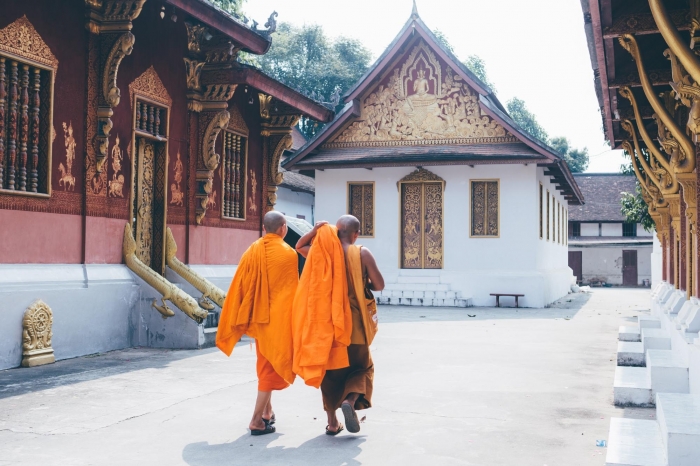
(498, 296)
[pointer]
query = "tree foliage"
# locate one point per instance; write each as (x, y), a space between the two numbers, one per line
(307, 60)
(234, 7)
(635, 209)
(577, 159)
(525, 119)
(474, 63)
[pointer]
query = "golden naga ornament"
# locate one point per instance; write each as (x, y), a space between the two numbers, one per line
(36, 335)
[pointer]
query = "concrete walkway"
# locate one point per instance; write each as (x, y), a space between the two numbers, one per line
(506, 387)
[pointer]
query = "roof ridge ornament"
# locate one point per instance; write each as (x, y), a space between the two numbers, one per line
(414, 13)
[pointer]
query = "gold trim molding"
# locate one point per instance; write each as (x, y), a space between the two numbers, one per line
(149, 85)
(21, 39)
(420, 175)
(210, 162)
(237, 124)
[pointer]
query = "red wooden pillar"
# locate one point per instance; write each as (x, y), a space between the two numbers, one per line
(682, 266)
(671, 255)
(664, 259)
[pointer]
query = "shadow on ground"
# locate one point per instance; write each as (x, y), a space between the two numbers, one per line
(22, 380)
(247, 449)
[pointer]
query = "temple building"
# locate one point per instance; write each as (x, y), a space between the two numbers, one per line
(647, 76)
(455, 200)
(137, 158)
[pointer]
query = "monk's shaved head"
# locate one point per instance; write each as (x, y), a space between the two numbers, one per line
(273, 222)
(347, 226)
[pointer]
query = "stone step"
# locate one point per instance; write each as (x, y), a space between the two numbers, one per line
(632, 387)
(630, 353)
(629, 334)
(667, 372)
(648, 322)
(634, 442)
(403, 279)
(678, 417)
(656, 338)
(420, 294)
(417, 287)
(425, 302)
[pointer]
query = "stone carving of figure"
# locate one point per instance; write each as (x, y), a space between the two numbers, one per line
(176, 193)
(117, 158)
(70, 146)
(421, 85)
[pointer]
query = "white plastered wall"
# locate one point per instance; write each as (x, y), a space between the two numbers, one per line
(295, 203)
(516, 262)
(604, 263)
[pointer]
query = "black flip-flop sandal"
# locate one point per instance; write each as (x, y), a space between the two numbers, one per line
(270, 421)
(330, 432)
(351, 421)
(267, 430)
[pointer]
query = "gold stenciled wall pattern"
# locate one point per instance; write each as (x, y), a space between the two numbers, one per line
(421, 102)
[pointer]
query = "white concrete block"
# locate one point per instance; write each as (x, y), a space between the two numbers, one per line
(462, 302)
(404, 301)
(629, 334)
(632, 387)
(648, 322)
(679, 421)
(634, 442)
(667, 372)
(630, 353)
(429, 294)
(441, 294)
(442, 287)
(394, 301)
(431, 287)
(691, 323)
(416, 301)
(656, 338)
(408, 294)
(449, 302)
(450, 295)
(438, 302)
(419, 294)
(427, 302)
(396, 294)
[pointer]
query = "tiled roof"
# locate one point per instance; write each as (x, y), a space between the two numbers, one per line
(603, 193)
(298, 182)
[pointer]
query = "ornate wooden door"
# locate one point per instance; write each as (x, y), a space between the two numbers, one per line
(421, 225)
(149, 203)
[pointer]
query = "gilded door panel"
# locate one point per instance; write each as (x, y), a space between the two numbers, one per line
(144, 201)
(411, 225)
(432, 199)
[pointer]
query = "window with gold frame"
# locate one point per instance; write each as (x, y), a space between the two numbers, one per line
(548, 224)
(234, 177)
(540, 211)
(485, 209)
(361, 205)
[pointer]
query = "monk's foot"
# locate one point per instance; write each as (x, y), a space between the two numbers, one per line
(259, 424)
(350, 415)
(335, 430)
(270, 420)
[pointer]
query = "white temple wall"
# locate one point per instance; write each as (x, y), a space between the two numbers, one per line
(295, 203)
(516, 262)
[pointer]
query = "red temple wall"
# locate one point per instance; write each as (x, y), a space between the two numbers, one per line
(103, 240)
(40, 238)
(219, 246)
(62, 26)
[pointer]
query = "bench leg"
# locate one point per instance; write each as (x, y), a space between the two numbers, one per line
(516, 302)
(498, 301)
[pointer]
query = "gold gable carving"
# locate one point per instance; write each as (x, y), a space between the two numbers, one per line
(237, 123)
(421, 104)
(21, 40)
(420, 175)
(150, 86)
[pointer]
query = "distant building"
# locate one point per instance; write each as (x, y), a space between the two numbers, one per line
(603, 248)
(295, 196)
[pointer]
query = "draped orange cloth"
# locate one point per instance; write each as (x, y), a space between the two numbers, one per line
(321, 315)
(259, 304)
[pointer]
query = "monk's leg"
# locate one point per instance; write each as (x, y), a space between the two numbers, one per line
(268, 413)
(257, 423)
(268, 380)
(359, 381)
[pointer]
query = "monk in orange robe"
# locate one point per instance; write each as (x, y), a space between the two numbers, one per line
(259, 304)
(350, 387)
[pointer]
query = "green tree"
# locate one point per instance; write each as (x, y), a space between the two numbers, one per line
(234, 7)
(307, 60)
(636, 210)
(577, 159)
(525, 119)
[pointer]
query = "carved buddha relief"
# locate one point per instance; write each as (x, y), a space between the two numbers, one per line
(421, 101)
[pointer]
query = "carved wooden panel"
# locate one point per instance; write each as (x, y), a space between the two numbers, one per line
(144, 200)
(485, 209)
(234, 177)
(432, 255)
(411, 225)
(422, 225)
(361, 205)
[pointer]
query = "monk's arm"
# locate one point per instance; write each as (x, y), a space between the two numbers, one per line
(376, 281)
(304, 243)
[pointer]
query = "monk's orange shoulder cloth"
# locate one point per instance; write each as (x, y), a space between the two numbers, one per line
(321, 316)
(259, 303)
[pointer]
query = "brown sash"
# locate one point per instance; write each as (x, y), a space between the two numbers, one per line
(368, 305)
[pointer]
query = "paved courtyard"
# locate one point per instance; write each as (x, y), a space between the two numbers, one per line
(504, 387)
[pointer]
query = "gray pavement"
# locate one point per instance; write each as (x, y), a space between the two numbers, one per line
(506, 387)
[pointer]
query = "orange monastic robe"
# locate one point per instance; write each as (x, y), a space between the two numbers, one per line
(259, 304)
(321, 316)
